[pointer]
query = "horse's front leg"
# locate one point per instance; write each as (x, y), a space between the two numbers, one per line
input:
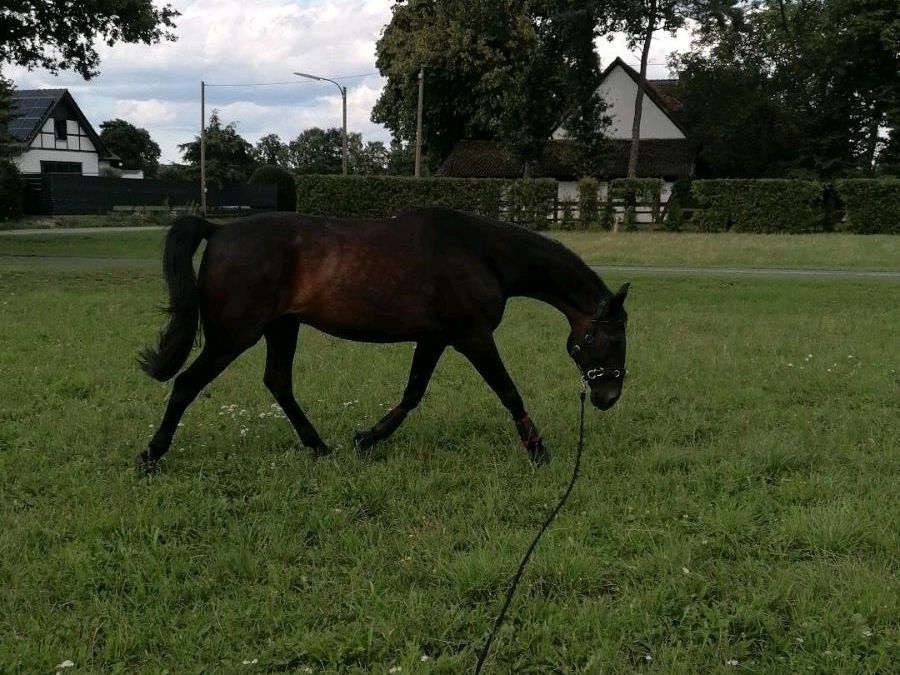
(424, 362)
(483, 354)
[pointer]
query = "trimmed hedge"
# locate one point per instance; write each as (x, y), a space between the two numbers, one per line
(589, 202)
(637, 191)
(527, 202)
(758, 205)
(873, 205)
(12, 192)
(282, 179)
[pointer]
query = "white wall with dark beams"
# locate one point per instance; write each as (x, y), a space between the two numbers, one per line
(47, 147)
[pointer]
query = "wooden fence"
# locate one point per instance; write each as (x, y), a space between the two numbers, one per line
(64, 194)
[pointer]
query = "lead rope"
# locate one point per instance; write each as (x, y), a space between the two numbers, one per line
(515, 582)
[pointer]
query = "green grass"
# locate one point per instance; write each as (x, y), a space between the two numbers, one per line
(739, 503)
(691, 249)
(821, 251)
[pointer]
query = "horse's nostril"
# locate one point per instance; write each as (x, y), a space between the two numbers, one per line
(604, 400)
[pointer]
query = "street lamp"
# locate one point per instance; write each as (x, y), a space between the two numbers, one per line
(343, 91)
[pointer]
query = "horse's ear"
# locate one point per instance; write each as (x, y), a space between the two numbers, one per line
(618, 300)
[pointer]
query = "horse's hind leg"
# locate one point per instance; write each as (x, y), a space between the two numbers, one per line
(424, 362)
(188, 384)
(281, 343)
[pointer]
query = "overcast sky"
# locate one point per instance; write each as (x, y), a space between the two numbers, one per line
(231, 41)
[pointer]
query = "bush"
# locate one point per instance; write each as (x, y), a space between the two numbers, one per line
(636, 192)
(872, 204)
(282, 179)
(528, 202)
(588, 202)
(674, 214)
(12, 192)
(567, 219)
(758, 205)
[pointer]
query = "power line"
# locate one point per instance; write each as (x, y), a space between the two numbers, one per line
(283, 82)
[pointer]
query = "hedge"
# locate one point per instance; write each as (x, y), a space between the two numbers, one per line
(872, 204)
(528, 202)
(758, 205)
(282, 179)
(634, 191)
(589, 202)
(12, 192)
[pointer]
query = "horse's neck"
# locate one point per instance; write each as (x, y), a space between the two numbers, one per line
(551, 273)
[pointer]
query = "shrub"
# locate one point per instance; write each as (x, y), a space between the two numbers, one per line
(588, 202)
(528, 202)
(567, 219)
(282, 179)
(607, 216)
(872, 204)
(630, 219)
(674, 214)
(636, 192)
(758, 205)
(12, 192)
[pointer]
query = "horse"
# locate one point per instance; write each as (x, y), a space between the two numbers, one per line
(434, 276)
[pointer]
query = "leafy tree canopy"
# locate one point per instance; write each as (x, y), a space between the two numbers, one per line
(814, 84)
(229, 157)
(504, 70)
(132, 144)
(319, 151)
(62, 34)
(271, 150)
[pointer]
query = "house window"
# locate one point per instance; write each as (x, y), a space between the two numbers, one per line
(61, 167)
(59, 126)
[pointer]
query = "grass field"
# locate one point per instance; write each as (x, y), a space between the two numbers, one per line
(737, 510)
(822, 251)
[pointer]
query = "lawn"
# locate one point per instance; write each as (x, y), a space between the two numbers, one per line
(737, 510)
(816, 251)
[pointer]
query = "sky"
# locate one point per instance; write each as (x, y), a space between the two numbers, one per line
(157, 87)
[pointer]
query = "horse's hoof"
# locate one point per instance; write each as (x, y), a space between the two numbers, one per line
(320, 450)
(363, 441)
(539, 455)
(144, 465)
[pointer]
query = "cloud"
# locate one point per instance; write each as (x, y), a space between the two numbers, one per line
(235, 41)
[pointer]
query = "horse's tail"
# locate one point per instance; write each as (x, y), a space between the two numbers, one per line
(177, 337)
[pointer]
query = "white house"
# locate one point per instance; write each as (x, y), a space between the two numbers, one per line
(665, 150)
(54, 136)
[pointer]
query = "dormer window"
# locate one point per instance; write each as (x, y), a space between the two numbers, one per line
(59, 126)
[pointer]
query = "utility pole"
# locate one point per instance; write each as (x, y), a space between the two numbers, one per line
(202, 148)
(343, 90)
(419, 122)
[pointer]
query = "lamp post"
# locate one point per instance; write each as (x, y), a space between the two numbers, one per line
(343, 91)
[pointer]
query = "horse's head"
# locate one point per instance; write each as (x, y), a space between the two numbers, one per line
(597, 345)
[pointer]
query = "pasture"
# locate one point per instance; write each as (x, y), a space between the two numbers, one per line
(737, 510)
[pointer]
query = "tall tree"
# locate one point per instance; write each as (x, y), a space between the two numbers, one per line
(62, 34)
(639, 20)
(229, 157)
(821, 77)
(270, 149)
(134, 145)
(498, 70)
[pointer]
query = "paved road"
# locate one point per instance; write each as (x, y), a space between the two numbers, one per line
(89, 263)
(79, 230)
(758, 272)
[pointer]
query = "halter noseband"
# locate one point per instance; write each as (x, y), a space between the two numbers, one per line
(600, 372)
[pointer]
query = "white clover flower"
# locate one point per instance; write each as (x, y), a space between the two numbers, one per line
(685, 570)
(732, 662)
(68, 663)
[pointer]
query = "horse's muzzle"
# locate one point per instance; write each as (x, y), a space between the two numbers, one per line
(604, 400)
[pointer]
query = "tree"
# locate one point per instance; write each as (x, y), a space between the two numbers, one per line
(229, 157)
(639, 20)
(819, 82)
(62, 35)
(271, 150)
(7, 150)
(134, 145)
(499, 70)
(318, 150)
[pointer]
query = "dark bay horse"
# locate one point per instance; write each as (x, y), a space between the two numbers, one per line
(436, 277)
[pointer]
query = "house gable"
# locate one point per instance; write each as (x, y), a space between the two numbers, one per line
(54, 134)
(618, 89)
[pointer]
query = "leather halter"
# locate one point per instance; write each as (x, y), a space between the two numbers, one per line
(600, 372)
